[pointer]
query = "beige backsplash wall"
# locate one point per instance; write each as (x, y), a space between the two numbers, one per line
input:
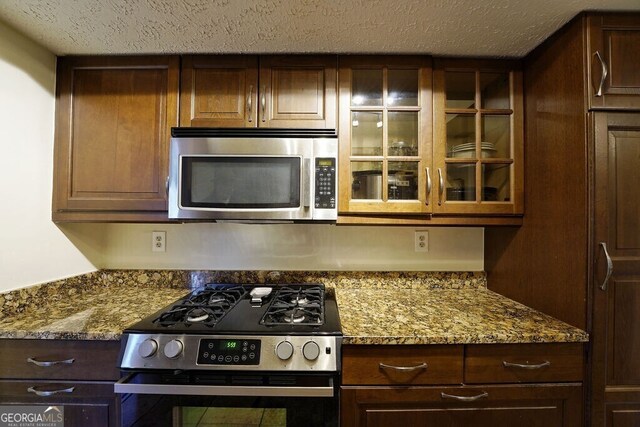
(278, 247)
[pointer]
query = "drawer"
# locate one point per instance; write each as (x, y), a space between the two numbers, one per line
(523, 363)
(402, 364)
(59, 359)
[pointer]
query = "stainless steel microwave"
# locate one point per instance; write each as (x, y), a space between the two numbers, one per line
(260, 175)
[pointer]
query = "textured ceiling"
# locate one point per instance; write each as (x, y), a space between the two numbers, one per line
(438, 27)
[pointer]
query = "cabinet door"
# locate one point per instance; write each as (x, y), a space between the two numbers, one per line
(478, 138)
(297, 91)
(219, 91)
(113, 124)
(86, 404)
(541, 405)
(616, 296)
(385, 135)
(614, 61)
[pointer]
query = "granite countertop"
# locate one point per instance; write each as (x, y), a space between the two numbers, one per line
(444, 316)
(375, 308)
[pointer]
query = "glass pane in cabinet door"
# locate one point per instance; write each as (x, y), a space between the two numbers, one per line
(366, 180)
(461, 182)
(403, 181)
(460, 90)
(402, 88)
(494, 90)
(366, 133)
(403, 133)
(366, 87)
(496, 136)
(496, 182)
(461, 135)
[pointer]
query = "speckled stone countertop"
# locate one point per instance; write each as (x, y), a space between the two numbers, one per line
(422, 315)
(374, 307)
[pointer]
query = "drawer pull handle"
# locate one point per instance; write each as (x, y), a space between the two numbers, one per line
(404, 368)
(464, 398)
(45, 393)
(46, 363)
(526, 365)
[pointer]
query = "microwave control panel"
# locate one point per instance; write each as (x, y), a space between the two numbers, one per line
(325, 183)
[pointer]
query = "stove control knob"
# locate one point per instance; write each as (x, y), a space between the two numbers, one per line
(173, 349)
(284, 350)
(311, 351)
(148, 348)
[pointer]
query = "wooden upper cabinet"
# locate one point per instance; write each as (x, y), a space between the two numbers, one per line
(478, 137)
(614, 60)
(219, 91)
(293, 91)
(385, 135)
(113, 124)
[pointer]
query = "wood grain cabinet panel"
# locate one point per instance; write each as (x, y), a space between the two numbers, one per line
(614, 60)
(59, 359)
(86, 404)
(219, 91)
(523, 363)
(541, 405)
(113, 122)
(78, 375)
(292, 91)
(439, 364)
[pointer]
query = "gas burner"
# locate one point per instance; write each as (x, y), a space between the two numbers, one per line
(293, 316)
(299, 300)
(197, 315)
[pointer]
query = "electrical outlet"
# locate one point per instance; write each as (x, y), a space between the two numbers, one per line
(421, 241)
(159, 241)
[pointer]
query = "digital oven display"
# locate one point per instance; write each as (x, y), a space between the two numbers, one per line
(229, 352)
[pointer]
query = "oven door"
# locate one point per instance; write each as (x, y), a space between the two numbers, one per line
(241, 179)
(192, 399)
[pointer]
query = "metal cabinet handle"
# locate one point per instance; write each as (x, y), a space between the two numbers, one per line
(45, 393)
(250, 102)
(464, 398)
(428, 185)
(263, 102)
(609, 266)
(440, 186)
(605, 72)
(404, 368)
(46, 363)
(526, 365)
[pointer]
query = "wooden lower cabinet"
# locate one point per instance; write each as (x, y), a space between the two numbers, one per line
(86, 404)
(544, 405)
(78, 375)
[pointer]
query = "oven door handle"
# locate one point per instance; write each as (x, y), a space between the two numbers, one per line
(124, 387)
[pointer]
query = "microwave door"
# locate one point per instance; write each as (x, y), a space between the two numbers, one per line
(245, 187)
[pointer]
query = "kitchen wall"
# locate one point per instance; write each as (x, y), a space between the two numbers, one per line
(35, 250)
(32, 248)
(279, 247)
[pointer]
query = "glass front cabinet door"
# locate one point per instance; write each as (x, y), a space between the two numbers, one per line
(385, 135)
(478, 138)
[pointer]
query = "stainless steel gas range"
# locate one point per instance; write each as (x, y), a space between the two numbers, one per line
(255, 347)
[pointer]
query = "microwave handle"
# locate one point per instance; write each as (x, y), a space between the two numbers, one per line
(306, 183)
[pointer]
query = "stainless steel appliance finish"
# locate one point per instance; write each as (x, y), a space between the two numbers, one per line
(253, 175)
(232, 347)
(136, 355)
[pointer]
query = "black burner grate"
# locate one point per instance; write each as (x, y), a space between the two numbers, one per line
(296, 305)
(205, 306)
